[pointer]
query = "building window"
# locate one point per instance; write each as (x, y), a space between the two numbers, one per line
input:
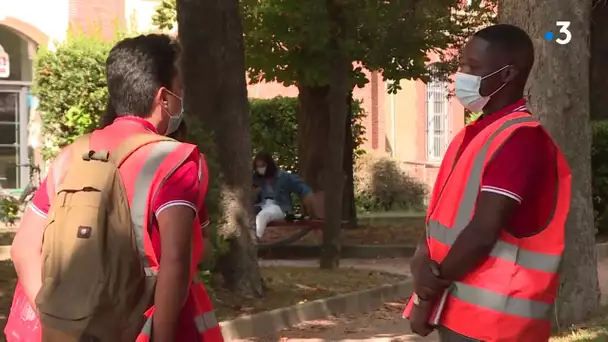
(437, 119)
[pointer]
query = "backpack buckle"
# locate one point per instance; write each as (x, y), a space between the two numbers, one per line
(102, 155)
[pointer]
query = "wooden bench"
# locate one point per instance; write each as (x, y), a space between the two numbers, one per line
(315, 209)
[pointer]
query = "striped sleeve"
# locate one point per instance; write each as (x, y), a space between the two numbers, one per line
(180, 189)
(514, 170)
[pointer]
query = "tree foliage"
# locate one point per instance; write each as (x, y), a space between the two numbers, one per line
(274, 129)
(71, 85)
(287, 40)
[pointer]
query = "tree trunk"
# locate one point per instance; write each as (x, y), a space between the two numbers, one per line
(213, 64)
(313, 129)
(599, 57)
(559, 94)
(349, 209)
(333, 173)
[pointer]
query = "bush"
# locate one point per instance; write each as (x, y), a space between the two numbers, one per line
(381, 185)
(599, 169)
(9, 210)
(274, 128)
(71, 86)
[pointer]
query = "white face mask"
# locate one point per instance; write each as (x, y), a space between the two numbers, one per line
(467, 90)
(174, 120)
(261, 170)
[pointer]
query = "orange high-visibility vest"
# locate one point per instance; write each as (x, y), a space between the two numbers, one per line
(143, 174)
(508, 298)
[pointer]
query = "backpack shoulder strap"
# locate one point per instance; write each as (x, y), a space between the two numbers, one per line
(61, 163)
(132, 144)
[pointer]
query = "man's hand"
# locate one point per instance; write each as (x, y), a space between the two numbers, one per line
(419, 318)
(427, 283)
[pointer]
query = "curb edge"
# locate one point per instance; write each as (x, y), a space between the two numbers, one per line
(269, 322)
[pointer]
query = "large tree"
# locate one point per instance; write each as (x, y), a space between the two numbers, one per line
(599, 55)
(215, 91)
(290, 41)
(559, 95)
(338, 96)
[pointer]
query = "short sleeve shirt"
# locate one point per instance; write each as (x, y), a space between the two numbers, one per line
(180, 189)
(524, 169)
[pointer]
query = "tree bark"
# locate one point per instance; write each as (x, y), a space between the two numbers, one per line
(215, 90)
(313, 130)
(599, 61)
(559, 94)
(333, 173)
(349, 208)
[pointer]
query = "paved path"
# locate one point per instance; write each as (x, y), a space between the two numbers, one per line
(382, 325)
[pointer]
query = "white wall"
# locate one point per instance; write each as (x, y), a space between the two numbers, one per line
(49, 16)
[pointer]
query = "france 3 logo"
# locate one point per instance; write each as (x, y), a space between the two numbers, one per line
(564, 35)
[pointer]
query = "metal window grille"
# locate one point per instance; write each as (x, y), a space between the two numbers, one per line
(437, 106)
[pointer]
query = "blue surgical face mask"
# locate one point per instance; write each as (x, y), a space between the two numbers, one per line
(174, 120)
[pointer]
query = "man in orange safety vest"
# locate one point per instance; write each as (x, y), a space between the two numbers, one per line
(487, 268)
(165, 182)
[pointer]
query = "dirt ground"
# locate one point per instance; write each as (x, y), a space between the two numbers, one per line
(386, 325)
(289, 285)
(286, 286)
(407, 233)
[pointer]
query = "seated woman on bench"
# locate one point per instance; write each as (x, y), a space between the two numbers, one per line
(272, 189)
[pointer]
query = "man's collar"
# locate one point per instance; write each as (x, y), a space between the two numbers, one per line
(136, 119)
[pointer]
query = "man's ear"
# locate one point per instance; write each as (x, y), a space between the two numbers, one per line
(510, 74)
(161, 97)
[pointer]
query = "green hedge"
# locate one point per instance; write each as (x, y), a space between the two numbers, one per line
(70, 83)
(274, 128)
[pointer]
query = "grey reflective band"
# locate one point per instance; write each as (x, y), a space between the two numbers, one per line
(502, 250)
(205, 321)
(498, 302)
(147, 328)
(469, 197)
(143, 182)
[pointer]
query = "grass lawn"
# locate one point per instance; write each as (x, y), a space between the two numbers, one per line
(594, 331)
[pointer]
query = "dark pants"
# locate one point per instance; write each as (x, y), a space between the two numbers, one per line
(447, 335)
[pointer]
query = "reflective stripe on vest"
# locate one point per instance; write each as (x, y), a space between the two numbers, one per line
(203, 323)
(503, 250)
(160, 150)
